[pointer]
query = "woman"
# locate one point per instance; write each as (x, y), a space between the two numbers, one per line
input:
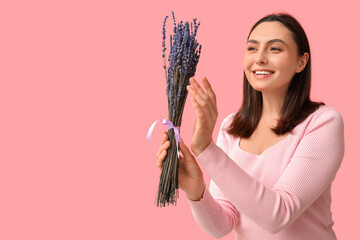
(275, 159)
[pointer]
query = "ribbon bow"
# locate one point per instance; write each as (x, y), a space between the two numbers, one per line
(170, 125)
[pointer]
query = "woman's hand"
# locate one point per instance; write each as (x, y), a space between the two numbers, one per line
(204, 104)
(190, 175)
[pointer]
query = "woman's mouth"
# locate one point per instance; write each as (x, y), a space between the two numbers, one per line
(261, 74)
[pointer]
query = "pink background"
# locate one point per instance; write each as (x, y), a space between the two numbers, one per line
(82, 81)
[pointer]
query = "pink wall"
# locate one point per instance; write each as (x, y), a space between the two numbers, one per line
(81, 82)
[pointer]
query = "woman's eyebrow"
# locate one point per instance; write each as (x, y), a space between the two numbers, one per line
(270, 41)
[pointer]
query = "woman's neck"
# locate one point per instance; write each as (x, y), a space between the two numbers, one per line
(272, 105)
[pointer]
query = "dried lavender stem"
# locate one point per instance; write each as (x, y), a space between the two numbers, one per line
(183, 59)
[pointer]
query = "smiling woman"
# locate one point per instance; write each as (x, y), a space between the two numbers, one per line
(275, 159)
(279, 46)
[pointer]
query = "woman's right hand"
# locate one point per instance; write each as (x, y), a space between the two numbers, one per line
(191, 179)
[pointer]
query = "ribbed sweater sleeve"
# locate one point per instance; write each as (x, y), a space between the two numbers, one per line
(214, 213)
(310, 171)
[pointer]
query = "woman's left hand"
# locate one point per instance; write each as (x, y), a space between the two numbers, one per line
(204, 104)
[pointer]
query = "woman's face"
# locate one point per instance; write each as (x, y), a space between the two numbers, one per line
(271, 58)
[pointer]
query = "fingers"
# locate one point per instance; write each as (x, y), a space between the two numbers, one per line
(185, 151)
(163, 148)
(161, 158)
(164, 137)
(165, 144)
(210, 91)
(203, 106)
(200, 96)
(197, 87)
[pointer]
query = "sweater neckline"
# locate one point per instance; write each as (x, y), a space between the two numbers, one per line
(237, 143)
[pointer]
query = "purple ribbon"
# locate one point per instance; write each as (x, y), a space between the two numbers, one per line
(170, 125)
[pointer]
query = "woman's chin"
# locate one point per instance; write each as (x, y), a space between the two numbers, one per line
(258, 87)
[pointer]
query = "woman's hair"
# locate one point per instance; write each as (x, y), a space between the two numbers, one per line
(297, 104)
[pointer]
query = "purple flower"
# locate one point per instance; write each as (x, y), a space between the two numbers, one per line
(182, 60)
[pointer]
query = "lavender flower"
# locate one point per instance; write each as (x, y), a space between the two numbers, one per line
(183, 58)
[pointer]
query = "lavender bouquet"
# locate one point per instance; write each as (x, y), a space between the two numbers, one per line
(183, 58)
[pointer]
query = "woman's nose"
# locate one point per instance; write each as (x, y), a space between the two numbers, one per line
(261, 58)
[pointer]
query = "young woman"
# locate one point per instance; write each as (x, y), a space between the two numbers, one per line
(275, 159)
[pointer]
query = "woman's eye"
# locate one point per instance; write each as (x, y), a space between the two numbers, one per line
(251, 49)
(275, 49)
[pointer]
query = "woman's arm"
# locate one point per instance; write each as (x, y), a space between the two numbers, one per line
(217, 216)
(312, 168)
(214, 213)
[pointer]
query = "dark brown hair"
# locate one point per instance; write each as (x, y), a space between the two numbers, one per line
(297, 105)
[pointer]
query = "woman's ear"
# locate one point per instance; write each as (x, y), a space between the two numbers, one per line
(302, 62)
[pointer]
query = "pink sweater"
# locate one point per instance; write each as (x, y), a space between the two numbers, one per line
(283, 193)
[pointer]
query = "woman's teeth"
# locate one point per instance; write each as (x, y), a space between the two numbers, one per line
(262, 73)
